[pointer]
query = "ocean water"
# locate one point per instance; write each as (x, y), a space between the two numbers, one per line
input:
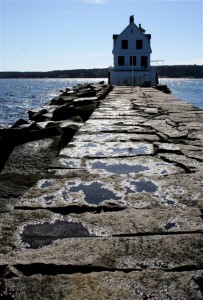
(17, 96)
(187, 89)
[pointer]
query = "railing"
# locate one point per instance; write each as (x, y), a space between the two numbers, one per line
(131, 70)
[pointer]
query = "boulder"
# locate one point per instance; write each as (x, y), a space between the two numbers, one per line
(63, 112)
(37, 116)
(19, 123)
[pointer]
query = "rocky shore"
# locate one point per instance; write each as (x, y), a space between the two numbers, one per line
(27, 148)
(101, 196)
(62, 117)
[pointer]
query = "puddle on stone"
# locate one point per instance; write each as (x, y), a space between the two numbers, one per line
(169, 202)
(69, 163)
(105, 129)
(119, 168)
(99, 154)
(46, 184)
(94, 192)
(49, 199)
(39, 235)
(87, 145)
(71, 183)
(145, 186)
(131, 150)
(129, 191)
(169, 226)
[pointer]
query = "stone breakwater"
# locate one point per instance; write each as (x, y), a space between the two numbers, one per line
(62, 117)
(113, 211)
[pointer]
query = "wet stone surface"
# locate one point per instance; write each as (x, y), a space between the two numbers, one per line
(38, 235)
(87, 188)
(116, 137)
(119, 168)
(125, 166)
(117, 211)
(94, 193)
(109, 149)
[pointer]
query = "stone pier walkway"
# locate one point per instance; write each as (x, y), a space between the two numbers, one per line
(119, 213)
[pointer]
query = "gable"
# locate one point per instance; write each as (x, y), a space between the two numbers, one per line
(132, 33)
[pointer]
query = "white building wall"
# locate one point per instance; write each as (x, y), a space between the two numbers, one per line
(131, 33)
(127, 74)
(127, 65)
(135, 78)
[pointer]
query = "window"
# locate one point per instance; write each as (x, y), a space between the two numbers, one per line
(139, 44)
(144, 61)
(121, 61)
(132, 60)
(124, 44)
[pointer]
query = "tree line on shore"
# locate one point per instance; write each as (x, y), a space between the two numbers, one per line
(173, 71)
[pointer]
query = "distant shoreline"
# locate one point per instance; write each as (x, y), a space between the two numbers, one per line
(174, 71)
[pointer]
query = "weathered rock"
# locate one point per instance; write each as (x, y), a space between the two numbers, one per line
(118, 212)
(23, 132)
(14, 185)
(19, 123)
(32, 157)
(111, 253)
(63, 112)
(37, 116)
(117, 285)
(108, 149)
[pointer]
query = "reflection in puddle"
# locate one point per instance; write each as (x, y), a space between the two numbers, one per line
(68, 163)
(145, 186)
(94, 192)
(169, 226)
(131, 150)
(38, 235)
(99, 154)
(169, 202)
(119, 168)
(71, 183)
(49, 199)
(71, 164)
(89, 145)
(46, 184)
(129, 190)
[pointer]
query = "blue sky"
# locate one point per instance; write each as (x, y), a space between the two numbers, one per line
(44, 35)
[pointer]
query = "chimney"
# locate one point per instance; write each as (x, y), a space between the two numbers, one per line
(132, 19)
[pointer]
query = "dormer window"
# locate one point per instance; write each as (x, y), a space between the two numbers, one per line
(124, 44)
(139, 44)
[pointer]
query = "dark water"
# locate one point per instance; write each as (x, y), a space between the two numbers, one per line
(17, 96)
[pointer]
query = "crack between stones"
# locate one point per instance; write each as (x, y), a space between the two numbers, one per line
(74, 209)
(178, 164)
(142, 234)
(53, 269)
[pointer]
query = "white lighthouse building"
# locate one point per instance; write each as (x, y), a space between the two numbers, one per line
(131, 51)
